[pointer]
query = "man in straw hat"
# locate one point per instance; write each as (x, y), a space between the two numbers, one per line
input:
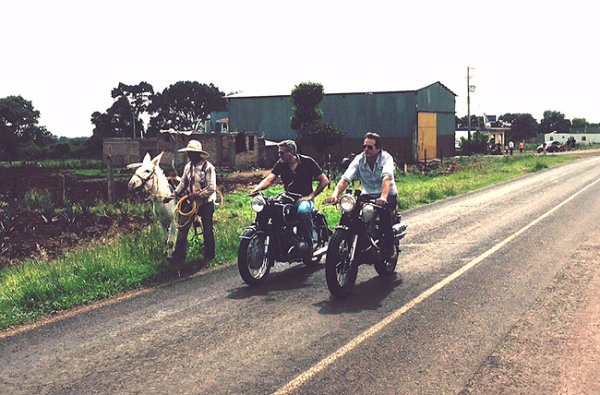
(199, 182)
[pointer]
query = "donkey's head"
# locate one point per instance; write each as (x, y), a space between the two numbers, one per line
(145, 177)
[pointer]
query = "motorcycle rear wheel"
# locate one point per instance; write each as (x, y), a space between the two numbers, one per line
(340, 273)
(253, 265)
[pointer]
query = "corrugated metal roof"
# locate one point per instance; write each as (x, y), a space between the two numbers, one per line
(246, 96)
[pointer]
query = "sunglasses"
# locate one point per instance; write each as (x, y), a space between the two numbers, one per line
(368, 147)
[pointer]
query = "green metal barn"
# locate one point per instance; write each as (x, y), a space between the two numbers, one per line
(415, 125)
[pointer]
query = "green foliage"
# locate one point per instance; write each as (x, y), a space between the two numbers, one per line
(477, 145)
(554, 121)
(19, 127)
(117, 121)
(139, 97)
(321, 136)
(522, 126)
(38, 200)
(34, 289)
(306, 98)
(182, 105)
(579, 123)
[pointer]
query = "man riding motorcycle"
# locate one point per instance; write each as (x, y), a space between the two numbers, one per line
(297, 173)
(375, 169)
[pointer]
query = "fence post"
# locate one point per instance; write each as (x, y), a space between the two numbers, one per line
(62, 193)
(110, 179)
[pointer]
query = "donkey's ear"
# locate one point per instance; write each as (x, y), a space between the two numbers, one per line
(147, 158)
(156, 160)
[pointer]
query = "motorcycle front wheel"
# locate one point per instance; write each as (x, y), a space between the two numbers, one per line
(339, 270)
(387, 266)
(253, 264)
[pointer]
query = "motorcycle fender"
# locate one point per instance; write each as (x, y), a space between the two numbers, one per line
(249, 231)
(399, 230)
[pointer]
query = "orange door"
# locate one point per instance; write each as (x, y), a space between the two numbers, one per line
(427, 135)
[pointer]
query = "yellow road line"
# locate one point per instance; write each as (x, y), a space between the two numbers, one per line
(330, 359)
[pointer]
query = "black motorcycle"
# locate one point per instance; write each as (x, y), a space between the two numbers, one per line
(275, 237)
(358, 240)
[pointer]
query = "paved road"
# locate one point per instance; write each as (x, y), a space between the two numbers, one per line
(472, 267)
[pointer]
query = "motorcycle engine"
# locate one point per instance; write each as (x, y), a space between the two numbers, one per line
(370, 217)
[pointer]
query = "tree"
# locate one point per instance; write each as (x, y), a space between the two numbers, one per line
(115, 122)
(477, 145)
(182, 105)
(139, 97)
(522, 126)
(19, 127)
(320, 135)
(579, 123)
(307, 119)
(305, 101)
(554, 121)
(476, 122)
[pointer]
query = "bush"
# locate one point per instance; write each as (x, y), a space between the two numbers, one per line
(477, 144)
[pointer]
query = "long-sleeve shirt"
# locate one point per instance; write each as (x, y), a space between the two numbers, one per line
(194, 176)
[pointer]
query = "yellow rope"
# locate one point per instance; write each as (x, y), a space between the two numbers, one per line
(190, 215)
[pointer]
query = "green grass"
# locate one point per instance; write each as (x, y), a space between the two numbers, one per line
(36, 289)
(474, 173)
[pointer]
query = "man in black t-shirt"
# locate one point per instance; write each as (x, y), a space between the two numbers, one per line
(297, 173)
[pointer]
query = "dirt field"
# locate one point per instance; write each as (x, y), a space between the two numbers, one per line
(32, 237)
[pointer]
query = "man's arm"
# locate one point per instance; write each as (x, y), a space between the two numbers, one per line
(386, 185)
(341, 185)
(264, 183)
(323, 182)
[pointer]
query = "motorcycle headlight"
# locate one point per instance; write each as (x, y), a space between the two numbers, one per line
(258, 203)
(368, 213)
(347, 203)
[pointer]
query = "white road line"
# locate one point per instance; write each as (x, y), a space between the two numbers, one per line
(325, 362)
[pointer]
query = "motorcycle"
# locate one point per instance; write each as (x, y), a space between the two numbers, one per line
(275, 237)
(358, 240)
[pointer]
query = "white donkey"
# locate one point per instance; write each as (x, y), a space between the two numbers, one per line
(150, 178)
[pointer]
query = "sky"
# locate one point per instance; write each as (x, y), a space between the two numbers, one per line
(526, 56)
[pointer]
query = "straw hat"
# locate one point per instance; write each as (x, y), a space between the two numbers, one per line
(194, 146)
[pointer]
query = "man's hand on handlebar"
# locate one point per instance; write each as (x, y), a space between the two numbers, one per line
(332, 199)
(380, 202)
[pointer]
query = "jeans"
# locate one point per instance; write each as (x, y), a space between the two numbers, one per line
(304, 210)
(386, 218)
(205, 211)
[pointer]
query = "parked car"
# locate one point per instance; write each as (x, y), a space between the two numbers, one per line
(552, 146)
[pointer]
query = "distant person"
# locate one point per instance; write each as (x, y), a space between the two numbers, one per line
(511, 147)
(521, 147)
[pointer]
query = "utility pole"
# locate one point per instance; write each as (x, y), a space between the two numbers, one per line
(133, 119)
(470, 88)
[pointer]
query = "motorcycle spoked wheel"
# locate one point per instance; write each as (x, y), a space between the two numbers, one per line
(339, 272)
(386, 267)
(253, 265)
